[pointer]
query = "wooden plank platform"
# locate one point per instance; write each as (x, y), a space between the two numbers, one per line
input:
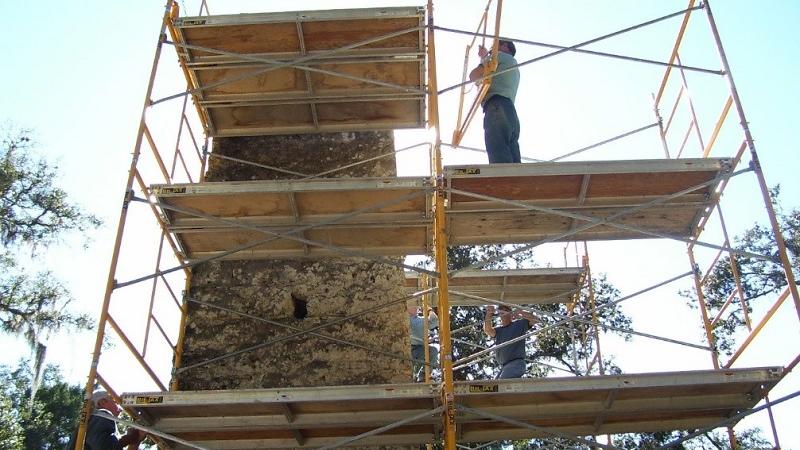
(291, 417)
(329, 92)
(518, 286)
(211, 218)
(596, 189)
(313, 417)
(611, 404)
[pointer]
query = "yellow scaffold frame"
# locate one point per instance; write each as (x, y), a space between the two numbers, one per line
(189, 167)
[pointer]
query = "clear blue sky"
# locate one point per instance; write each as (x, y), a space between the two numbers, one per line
(76, 73)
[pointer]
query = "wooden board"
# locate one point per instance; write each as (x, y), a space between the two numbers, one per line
(312, 417)
(291, 417)
(304, 72)
(375, 216)
(518, 286)
(593, 189)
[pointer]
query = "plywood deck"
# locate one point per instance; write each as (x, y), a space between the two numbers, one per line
(326, 90)
(595, 189)
(518, 286)
(313, 417)
(370, 216)
(209, 219)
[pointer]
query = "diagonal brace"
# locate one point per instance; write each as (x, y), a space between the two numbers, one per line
(276, 236)
(529, 426)
(385, 428)
(608, 220)
(298, 329)
(290, 63)
(585, 313)
(310, 330)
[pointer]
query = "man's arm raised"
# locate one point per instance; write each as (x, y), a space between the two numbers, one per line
(488, 327)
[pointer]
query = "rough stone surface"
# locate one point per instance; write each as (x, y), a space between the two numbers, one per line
(307, 154)
(284, 297)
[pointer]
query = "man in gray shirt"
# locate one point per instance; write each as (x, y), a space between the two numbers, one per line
(500, 122)
(512, 356)
(417, 332)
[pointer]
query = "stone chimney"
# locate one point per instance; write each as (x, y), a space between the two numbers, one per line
(292, 295)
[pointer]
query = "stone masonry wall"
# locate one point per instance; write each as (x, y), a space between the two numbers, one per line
(300, 294)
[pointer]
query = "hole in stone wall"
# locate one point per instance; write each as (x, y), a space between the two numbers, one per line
(300, 306)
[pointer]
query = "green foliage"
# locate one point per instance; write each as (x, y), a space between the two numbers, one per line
(749, 439)
(46, 423)
(32, 210)
(30, 304)
(572, 345)
(11, 433)
(760, 278)
(568, 347)
(462, 256)
(33, 214)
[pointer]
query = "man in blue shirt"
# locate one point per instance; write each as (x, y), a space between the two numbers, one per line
(500, 122)
(417, 332)
(512, 356)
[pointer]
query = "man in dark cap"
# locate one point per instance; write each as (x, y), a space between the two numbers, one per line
(512, 356)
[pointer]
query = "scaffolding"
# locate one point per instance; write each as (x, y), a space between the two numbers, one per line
(372, 69)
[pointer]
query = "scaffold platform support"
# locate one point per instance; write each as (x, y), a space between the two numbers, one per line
(516, 203)
(315, 71)
(581, 200)
(277, 219)
(517, 286)
(407, 414)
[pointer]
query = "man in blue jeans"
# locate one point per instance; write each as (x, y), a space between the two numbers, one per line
(500, 121)
(417, 332)
(512, 356)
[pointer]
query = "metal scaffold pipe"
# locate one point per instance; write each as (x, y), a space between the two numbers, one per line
(776, 229)
(440, 246)
(110, 282)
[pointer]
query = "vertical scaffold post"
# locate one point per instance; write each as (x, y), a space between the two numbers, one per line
(440, 246)
(593, 307)
(702, 306)
(101, 323)
(776, 229)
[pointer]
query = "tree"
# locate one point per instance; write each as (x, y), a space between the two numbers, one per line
(749, 439)
(32, 210)
(11, 434)
(565, 347)
(34, 214)
(45, 423)
(760, 278)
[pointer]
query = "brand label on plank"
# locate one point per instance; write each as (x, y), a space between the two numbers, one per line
(171, 190)
(483, 388)
(149, 399)
(468, 171)
(191, 22)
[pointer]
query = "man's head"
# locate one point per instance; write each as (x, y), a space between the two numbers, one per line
(505, 314)
(508, 47)
(102, 400)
